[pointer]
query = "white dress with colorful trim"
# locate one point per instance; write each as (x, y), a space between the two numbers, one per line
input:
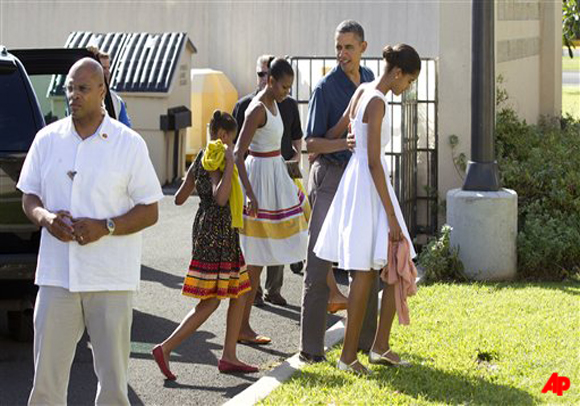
(278, 235)
(355, 231)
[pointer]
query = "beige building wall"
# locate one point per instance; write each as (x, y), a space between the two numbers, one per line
(551, 58)
(230, 35)
(517, 34)
(528, 55)
(454, 90)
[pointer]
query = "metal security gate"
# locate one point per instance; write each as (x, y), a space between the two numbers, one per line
(412, 153)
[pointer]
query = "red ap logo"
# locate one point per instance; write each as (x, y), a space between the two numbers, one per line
(557, 384)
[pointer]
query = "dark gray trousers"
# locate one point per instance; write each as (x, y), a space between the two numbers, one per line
(274, 280)
(322, 185)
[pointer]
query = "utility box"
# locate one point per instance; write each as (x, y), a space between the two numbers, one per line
(151, 72)
(210, 90)
(177, 120)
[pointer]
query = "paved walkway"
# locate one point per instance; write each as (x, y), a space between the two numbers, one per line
(159, 308)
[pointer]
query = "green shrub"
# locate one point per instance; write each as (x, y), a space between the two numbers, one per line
(440, 261)
(542, 164)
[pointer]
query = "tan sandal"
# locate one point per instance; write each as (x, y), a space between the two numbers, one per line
(258, 339)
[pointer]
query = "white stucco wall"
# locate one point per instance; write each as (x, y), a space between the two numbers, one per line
(230, 35)
(518, 57)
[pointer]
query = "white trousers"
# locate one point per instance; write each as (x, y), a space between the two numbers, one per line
(60, 318)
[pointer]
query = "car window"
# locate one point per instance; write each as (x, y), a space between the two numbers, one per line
(17, 124)
(53, 107)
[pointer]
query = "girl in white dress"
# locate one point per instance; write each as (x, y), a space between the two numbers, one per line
(365, 217)
(275, 225)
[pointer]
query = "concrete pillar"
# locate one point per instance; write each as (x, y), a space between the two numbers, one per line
(485, 231)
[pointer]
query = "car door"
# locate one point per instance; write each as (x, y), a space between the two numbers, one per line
(31, 85)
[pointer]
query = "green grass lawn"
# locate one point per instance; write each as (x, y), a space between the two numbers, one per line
(476, 344)
(572, 64)
(571, 101)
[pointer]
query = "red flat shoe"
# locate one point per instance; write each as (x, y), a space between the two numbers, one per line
(227, 367)
(160, 359)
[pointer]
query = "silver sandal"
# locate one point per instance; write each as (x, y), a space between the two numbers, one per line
(349, 368)
(375, 358)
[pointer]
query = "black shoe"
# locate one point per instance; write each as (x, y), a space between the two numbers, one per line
(259, 301)
(297, 267)
(311, 359)
(275, 298)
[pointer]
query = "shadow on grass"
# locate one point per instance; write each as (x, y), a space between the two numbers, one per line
(424, 382)
(570, 287)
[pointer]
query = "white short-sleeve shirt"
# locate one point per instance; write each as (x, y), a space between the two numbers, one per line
(100, 177)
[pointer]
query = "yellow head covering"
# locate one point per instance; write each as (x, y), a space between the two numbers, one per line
(213, 159)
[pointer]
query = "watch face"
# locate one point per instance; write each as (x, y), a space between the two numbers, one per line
(110, 226)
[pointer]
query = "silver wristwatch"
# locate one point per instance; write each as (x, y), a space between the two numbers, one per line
(110, 226)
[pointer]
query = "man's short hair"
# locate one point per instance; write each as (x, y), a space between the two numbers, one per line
(103, 55)
(351, 26)
(264, 60)
(98, 53)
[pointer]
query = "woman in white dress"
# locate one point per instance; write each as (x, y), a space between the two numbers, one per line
(365, 217)
(275, 226)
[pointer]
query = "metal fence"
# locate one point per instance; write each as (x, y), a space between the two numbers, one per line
(412, 152)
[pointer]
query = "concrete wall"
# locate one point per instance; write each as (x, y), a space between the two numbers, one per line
(528, 55)
(454, 93)
(518, 54)
(550, 58)
(230, 35)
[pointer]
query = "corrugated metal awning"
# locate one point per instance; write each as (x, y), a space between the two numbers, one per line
(140, 62)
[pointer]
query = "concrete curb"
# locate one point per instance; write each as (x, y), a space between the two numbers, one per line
(266, 384)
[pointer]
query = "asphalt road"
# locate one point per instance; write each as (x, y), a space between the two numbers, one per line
(158, 310)
(571, 78)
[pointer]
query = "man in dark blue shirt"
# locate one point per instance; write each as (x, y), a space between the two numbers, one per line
(327, 105)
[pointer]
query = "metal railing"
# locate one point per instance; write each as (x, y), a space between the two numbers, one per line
(412, 152)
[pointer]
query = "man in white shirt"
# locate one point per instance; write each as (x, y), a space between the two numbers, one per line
(89, 182)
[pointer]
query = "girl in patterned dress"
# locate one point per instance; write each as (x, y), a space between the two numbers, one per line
(217, 269)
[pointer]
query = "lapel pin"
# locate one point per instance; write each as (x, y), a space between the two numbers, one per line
(104, 135)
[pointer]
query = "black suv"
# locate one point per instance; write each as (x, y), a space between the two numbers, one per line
(31, 87)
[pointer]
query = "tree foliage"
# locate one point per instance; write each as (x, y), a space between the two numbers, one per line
(570, 23)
